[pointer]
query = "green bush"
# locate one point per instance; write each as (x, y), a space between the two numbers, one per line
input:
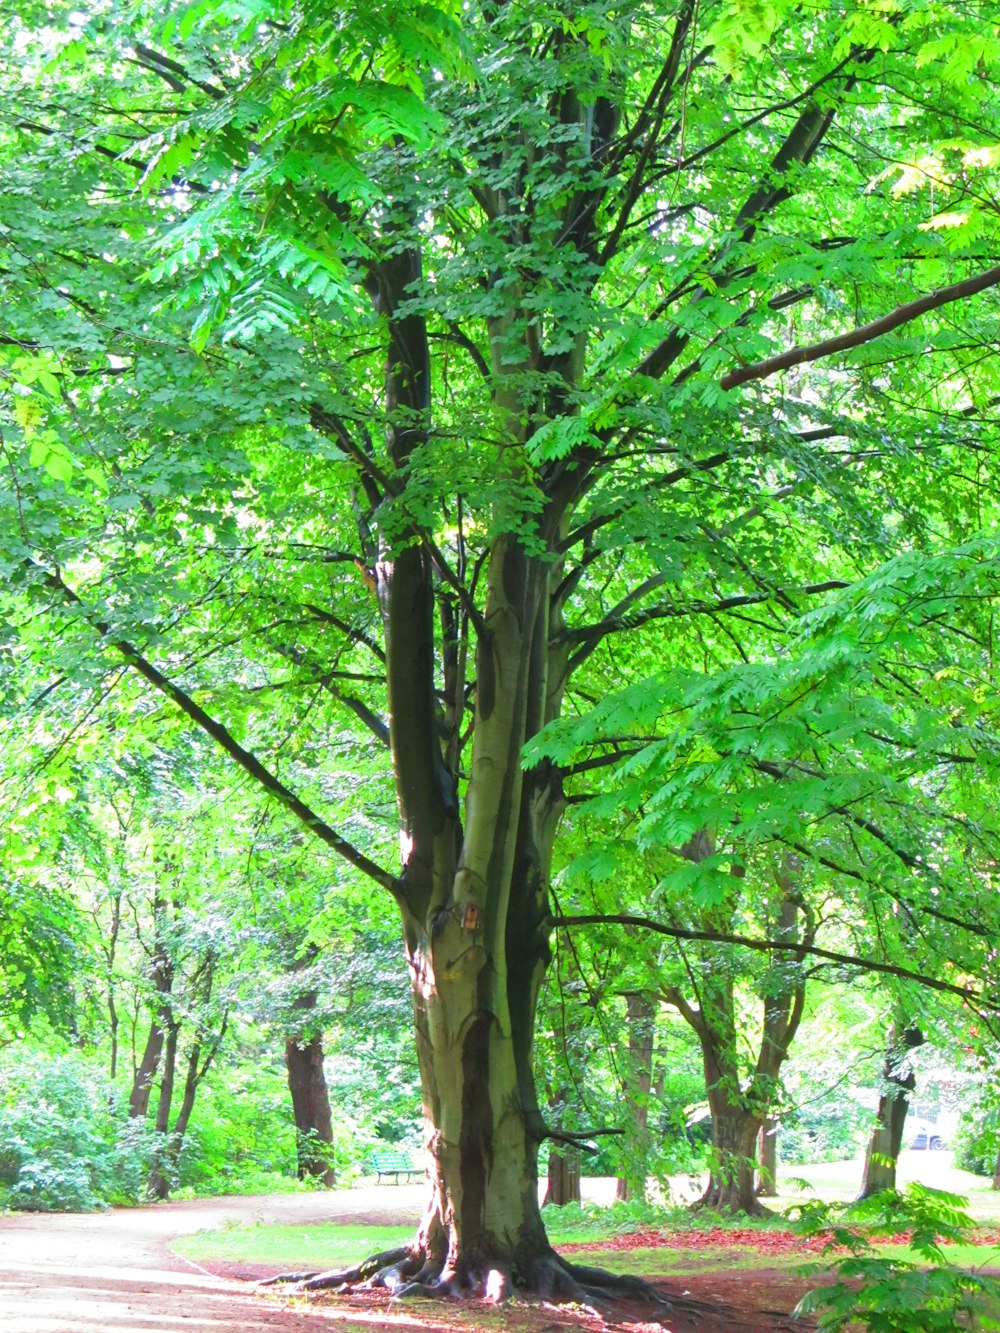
(978, 1139)
(64, 1143)
(831, 1131)
(890, 1295)
(241, 1139)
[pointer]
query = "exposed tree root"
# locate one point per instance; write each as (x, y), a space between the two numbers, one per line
(408, 1272)
(344, 1278)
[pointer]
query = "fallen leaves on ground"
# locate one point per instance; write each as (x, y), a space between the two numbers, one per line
(771, 1241)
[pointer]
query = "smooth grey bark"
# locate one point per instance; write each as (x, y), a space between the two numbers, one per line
(473, 885)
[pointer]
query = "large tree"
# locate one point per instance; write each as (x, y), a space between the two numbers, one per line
(431, 400)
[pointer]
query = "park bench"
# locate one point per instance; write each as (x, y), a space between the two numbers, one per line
(394, 1164)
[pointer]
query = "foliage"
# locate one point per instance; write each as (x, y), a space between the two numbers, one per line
(66, 1143)
(890, 1295)
(825, 1133)
(976, 1145)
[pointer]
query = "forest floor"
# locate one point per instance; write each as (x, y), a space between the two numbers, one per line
(115, 1272)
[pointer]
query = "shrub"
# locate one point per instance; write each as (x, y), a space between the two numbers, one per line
(891, 1295)
(978, 1139)
(64, 1144)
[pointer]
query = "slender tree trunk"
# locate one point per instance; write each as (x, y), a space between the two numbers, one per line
(144, 1075)
(110, 951)
(996, 1174)
(159, 1180)
(898, 1081)
(310, 1107)
(563, 1184)
(767, 1160)
(641, 1012)
(163, 980)
(113, 1033)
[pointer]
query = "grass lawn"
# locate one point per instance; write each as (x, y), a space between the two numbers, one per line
(318, 1245)
(840, 1181)
(329, 1245)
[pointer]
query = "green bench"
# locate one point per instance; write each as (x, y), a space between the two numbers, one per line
(394, 1164)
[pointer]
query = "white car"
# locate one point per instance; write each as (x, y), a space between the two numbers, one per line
(924, 1134)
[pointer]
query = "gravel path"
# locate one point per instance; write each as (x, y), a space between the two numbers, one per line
(113, 1273)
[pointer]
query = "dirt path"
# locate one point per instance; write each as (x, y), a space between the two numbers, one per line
(113, 1273)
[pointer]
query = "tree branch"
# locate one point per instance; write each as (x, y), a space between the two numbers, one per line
(219, 733)
(903, 314)
(769, 946)
(590, 635)
(325, 679)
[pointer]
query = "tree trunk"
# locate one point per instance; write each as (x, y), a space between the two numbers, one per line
(731, 1187)
(767, 1160)
(110, 950)
(564, 1177)
(163, 980)
(898, 1081)
(142, 1079)
(739, 1100)
(641, 1011)
(483, 1140)
(159, 1178)
(310, 1107)
(473, 891)
(996, 1174)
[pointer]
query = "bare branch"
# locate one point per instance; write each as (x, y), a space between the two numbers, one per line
(903, 314)
(220, 734)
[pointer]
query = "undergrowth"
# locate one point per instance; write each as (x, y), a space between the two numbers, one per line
(889, 1294)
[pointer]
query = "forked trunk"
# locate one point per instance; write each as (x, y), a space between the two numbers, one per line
(731, 1186)
(483, 1215)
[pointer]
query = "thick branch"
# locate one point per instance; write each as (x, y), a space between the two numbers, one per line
(326, 680)
(247, 761)
(770, 946)
(903, 314)
(591, 635)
